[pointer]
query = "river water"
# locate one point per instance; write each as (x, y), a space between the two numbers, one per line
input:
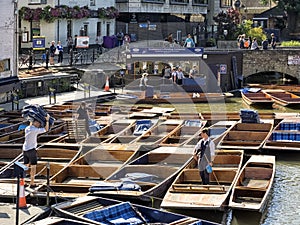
(284, 201)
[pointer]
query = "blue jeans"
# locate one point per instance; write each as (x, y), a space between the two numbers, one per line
(204, 177)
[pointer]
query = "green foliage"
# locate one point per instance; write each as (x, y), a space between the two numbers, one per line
(287, 5)
(290, 43)
(247, 29)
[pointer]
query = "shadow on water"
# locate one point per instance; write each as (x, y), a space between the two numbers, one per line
(239, 217)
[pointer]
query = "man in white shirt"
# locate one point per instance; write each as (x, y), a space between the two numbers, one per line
(30, 144)
(204, 153)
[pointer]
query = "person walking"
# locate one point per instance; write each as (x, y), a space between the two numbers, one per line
(60, 52)
(204, 153)
(30, 144)
(143, 81)
(180, 76)
(83, 114)
(52, 50)
(70, 44)
(189, 42)
(273, 41)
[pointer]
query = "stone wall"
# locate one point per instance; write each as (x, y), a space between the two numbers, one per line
(272, 60)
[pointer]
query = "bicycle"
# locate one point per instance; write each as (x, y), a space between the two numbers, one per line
(81, 56)
(24, 59)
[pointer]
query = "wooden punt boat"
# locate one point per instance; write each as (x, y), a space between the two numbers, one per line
(97, 210)
(161, 130)
(52, 156)
(213, 117)
(283, 98)
(132, 133)
(109, 131)
(257, 99)
(188, 193)
(285, 136)
(54, 220)
(146, 177)
(251, 189)
(216, 132)
(173, 97)
(183, 116)
(185, 132)
(97, 164)
(18, 135)
(246, 136)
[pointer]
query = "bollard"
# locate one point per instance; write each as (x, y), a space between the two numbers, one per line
(52, 95)
(47, 59)
(30, 60)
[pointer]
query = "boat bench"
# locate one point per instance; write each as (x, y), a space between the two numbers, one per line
(199, 188)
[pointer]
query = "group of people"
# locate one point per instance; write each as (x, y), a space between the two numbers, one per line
(56, 50)
(249, 43)
(188, 42)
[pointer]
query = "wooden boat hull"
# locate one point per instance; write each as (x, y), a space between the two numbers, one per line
(285, 136)
(283, 98)
(159, 166)
(257, 99)
(247, 136)
(187, 192)
(97, 164)
(176, 97)
(80, 208)
(251, 189)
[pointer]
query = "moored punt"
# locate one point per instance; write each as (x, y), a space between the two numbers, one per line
(174, 97)
(132, 133)
(97, 210)
(285, 136)
(109, 131)
(283, 98)
(97, 164)
(257, 99)
(52, 156)
(146, 177)
(251, 189)
(161, 130)
(215, 131)
(184, 133)
(246, 136)
(188, 193)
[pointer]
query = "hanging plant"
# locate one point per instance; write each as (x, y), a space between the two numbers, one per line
(50, 14)
(108, 13)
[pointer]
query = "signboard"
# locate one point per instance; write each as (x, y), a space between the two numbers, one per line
(38, 42)
(143, 25)
(223, 69)
(294, 60)
(83, 42)
(152, 27)
(166, 52)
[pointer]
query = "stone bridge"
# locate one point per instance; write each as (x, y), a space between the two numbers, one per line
(282, 60)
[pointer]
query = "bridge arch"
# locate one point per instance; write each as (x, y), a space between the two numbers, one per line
(281, 62)
(270, 77)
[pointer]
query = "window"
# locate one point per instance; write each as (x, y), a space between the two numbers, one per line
(153, 1)
(226, 3)
(32, 2)
(92, 2)
(35, 29)
(4, 65)
(121, 1)
(179, 2)
(69, 28)
(98, 29)
(200, 2)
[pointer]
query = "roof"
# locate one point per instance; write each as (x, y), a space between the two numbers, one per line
(272, 12)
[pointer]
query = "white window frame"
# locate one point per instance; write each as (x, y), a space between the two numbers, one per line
(34, 1)
(92, 2)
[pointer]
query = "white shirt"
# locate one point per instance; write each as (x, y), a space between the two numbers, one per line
(31, 133)
(211, 146)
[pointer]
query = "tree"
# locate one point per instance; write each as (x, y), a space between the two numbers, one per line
(250, 31)
(292, 8)
(227, 23)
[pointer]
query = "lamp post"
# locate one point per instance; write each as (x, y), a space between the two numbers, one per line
(148, 26)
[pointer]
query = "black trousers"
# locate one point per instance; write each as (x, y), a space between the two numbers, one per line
(204, 177)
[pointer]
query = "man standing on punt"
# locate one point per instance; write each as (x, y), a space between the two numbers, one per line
(204, 153)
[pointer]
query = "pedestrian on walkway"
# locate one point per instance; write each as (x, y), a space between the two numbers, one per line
(273, 41)
(30, 144)
(83, 113)
(52, 50)
(70, 44)
(60, 52)
(189, 42)
(204, 153)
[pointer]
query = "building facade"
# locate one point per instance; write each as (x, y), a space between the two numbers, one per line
(66, 18)
(8, 45)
